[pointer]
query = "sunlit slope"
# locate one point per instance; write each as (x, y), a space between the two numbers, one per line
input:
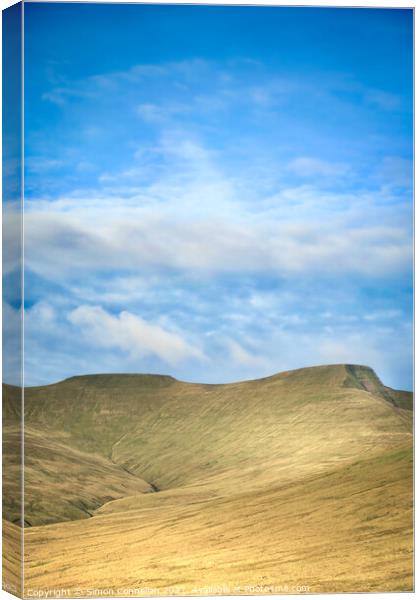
(277, 428)
(346, 530)
(97, 438)
(303, 478)
(12, 558)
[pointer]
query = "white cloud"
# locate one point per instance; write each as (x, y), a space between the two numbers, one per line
(193, 217)
(59, 243)
(42, 313)
(150, 112)
(383, 315)
(39, 163)
(132, 334)
(12, 237)
(161, 113)
(395, 171)
(354, 348)
(99, 84)
(12, 344)
(243, 358)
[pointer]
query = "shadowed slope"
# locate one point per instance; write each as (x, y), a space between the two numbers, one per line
(61, 483)
(365, 378)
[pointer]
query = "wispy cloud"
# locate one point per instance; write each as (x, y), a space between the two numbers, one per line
(305, 166)
(384, 100)
(132, 334)
(244, 358)
(218, 219)
(63, 243)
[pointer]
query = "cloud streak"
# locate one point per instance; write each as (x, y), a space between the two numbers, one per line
(132, 334)
(65, 243)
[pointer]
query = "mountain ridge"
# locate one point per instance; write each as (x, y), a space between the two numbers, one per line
(205, 483)
(135, 422)
(162, 377)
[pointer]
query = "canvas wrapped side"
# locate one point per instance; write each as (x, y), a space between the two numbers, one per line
(12, 23)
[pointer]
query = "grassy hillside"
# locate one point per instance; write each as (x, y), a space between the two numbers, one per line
(300, 477)
(61, 483)
(346, 530)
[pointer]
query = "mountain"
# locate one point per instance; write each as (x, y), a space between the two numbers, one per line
(299, 479)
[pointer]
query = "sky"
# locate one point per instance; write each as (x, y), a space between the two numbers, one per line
(217, 193)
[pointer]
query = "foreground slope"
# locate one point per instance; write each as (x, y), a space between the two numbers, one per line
(300, 479)
(346, 530)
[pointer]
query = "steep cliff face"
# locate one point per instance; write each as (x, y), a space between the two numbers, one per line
(365, 378)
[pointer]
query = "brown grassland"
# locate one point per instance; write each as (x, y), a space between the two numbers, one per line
(145, 485)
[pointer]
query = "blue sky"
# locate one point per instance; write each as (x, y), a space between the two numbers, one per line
(217, 193)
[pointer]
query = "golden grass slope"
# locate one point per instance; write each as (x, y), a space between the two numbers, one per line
(12, 558)
(296, 481)
(346, 530)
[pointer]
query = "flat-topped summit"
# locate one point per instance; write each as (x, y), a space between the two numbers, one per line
(118, 379)
(358, 373)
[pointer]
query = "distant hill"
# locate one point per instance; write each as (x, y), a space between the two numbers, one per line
(321, 450)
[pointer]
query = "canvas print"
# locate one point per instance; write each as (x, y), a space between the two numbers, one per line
(207, 300)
